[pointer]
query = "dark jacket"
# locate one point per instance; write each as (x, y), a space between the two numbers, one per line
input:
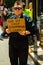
(29, 26)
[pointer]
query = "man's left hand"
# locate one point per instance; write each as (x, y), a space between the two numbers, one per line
(24, 32)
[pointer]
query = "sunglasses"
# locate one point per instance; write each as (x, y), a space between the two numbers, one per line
(17, 8)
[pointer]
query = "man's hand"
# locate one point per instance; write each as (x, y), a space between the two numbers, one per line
(7, 31)
(24, 32)
(27, 32)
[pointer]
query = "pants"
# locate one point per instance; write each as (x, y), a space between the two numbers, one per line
(20, 52)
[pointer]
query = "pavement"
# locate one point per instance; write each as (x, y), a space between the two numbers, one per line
(4, 58)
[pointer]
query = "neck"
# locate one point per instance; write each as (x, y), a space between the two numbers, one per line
(17, 16)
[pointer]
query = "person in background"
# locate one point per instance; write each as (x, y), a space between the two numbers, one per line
(2, 21)
(24, 9)
(30, 10)
(40, 23)
(18, 41)
(6, 14)
(30, 13)
(1, 16)
(1, 12)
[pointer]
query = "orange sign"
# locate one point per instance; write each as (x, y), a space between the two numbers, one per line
(15, 25)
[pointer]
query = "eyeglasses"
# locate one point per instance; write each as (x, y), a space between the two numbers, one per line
(17, 8)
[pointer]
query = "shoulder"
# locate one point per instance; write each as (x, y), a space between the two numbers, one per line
(12, 16)
(28, 18)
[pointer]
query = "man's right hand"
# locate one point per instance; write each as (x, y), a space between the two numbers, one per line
(7, 31)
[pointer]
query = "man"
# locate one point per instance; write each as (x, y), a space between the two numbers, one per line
(18, 42)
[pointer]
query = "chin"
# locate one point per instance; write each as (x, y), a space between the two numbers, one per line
(17, 14)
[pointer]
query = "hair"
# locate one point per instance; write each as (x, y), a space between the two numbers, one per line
(30, 3)
(18, 3)
(24, 5)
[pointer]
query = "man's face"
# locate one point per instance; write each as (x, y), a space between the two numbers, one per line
(18, 9)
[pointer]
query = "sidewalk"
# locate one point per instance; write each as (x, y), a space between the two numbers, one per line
(4, 58)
